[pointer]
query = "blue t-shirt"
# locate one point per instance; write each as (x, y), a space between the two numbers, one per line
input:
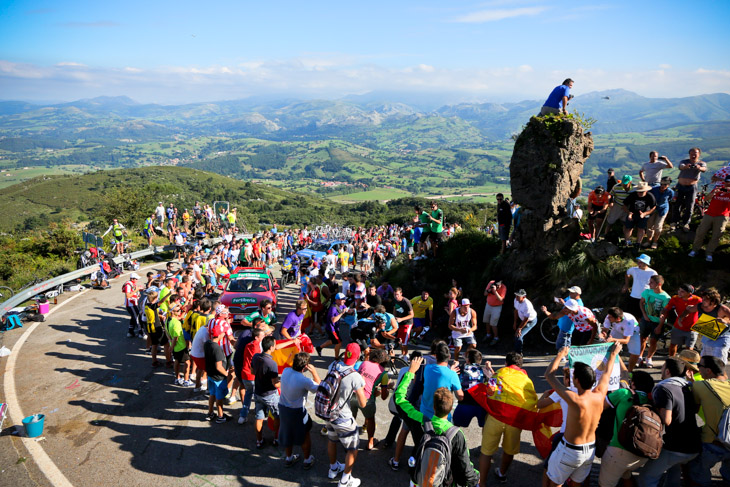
(565, 323)
(662, 199)
(556, 96)
(434, 377)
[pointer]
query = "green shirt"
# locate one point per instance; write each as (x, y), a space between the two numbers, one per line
(257, 314)
(423, 219)
(622, 400)
(654, 303)
(438, 215)
(174, 329)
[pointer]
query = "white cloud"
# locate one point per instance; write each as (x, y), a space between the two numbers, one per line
(298, 77)
(498, 14)
(665, 66)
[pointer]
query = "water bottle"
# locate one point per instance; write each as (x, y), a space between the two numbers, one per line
(411, 462)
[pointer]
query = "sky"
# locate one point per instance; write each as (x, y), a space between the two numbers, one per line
(160, 51)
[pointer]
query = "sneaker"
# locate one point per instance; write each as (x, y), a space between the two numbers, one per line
(242, 420)
(501, 478)
(494, 342)
(210, 416)
(187, 383)
(352, 482)
(686, 228)
(708, 258)
(141, 334)
(629, 243)
(308, 463)
(649, 364)
(323, 431)
(339, 468)
(487, 338)
(130, 334)
(178, 382)
(199, 389)
(395, 466)
(222, 419)
(291, 461)
(692, 254)
(231, 400)
(259, 444)
(319, 350)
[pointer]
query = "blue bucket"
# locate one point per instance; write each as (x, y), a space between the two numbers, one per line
(34, 425)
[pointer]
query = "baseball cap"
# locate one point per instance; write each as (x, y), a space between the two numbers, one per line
(521, 292)
(340, 296)
(644, 258)
(610, 169)
(626, 179)
(215, 330)
(465, 302)
(221, 310)
(352, 353)
(571, 304)
(599, 189)
(575, 289)
(134, 275)
(691, 359)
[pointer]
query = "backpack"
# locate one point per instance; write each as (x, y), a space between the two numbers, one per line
(723, 426)
(325, 402)
(641, 431)
(433, 458)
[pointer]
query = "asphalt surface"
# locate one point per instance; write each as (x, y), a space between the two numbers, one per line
(112, 419)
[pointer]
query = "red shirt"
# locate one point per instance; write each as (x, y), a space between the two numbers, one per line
(492, 298)
(679, 305)
(251, 349)
(720, 204)
(598, 202)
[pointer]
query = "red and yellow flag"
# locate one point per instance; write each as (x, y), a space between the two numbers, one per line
(510, 397)
(284, 357)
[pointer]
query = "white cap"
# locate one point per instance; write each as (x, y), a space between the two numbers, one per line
(134, 275)
(571, 304)
(465, 302)
(575, 289)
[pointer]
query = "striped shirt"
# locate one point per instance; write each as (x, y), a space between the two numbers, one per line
(619, 194)
(227, 333)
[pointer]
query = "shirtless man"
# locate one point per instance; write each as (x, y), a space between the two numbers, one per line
(574, 455)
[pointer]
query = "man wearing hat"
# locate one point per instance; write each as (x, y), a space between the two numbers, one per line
(638, 205)
(692, 359)
(682, 334)
(715, 219)
(618, 194)
(574, 319)
(525, 318)
(662, 195)
(215, 368)
(343, 428)
(463, 324)
(638, 276)
(131, 302)
(598, 201)
(332, 324)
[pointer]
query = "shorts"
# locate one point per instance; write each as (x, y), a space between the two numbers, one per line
(617, 464)
(719, 352)
(567, 463)
(333, 335)
(265, 405)
(656, 221)
(685, 338)
(181, 356)
(435, 237)
(598, 215)
(146, 233)
(294, 426)
(636, 222)
(199, 362)
(493, 431)
(343, 430)
(616, 213)
(504, 232)
(468, 340)
(634, 345)
(646, 328)
(217, 388)
(491, 314)
(368, 411)
(464, 413)
(410, 250)
(419, 322)
(580, 337)
(157, 338)
(425, 236)
(404, 333)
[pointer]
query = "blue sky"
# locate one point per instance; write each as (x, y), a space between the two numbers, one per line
(499, 50)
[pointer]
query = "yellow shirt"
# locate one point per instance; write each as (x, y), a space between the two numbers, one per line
(710, 404)
(420, 306)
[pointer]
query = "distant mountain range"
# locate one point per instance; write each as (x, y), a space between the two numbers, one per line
(352, 118)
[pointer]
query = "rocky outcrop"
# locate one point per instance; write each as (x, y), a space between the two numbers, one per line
(545, 171)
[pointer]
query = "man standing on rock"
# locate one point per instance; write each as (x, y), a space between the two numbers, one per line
(559, 95)
(504, 220)
(651, 172)
(618, 194)
(690, 171)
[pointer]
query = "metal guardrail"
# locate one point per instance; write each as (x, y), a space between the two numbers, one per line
(25, 294)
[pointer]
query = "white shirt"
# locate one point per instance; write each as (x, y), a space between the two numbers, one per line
(179, 240)
(640, 280)
(525, 310)
(197, 348)
(160, 211)
(624, 328)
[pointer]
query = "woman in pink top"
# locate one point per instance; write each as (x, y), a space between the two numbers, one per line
(376, 382)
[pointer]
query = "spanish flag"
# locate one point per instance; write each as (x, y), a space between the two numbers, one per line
(510, 397)
(284, 357)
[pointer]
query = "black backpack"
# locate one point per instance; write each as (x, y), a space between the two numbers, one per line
(433, 458)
